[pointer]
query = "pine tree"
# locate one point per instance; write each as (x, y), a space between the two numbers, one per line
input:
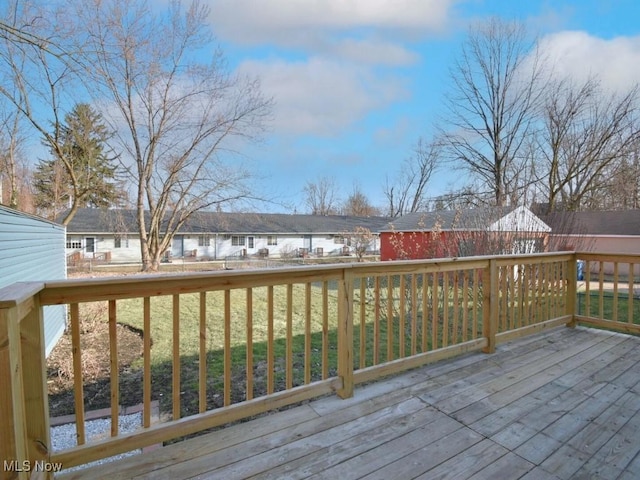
(80, 174)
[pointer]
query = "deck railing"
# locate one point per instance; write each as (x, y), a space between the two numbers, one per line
(245, 342)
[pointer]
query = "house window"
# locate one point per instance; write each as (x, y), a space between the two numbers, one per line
(204, 240)
(238, 240)
(120, 241)
(74, 243)
(338, 239)
(272, 240)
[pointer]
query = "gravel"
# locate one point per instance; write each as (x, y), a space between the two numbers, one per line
(64, 436)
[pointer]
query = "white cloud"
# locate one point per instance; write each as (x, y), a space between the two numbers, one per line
(322, 96)
(333, 56)
(616, 61)
(373, 52)
(288, 21)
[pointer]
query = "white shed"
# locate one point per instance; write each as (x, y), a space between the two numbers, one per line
(33, 249)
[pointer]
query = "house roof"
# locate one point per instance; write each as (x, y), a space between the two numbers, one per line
(88, 220)
(620, 222)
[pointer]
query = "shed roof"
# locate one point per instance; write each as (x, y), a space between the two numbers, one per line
(463, 219)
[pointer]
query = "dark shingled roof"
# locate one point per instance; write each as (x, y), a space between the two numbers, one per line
(88, 220)
(621, 222)
(468, 219)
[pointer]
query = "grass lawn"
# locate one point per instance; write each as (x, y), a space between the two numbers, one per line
(303, 301)
(622, 306)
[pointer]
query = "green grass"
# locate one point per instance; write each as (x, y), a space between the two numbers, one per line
(609, 306)
(130, 312)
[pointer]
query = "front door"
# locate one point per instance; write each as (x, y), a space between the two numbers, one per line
(177, 246)
(250, 243)
(90, 244)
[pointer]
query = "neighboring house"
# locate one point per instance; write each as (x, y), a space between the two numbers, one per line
(112, 235)
(460, 233)
(32, 249)
(611, 231)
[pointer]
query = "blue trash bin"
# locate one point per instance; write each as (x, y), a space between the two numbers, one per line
(580, 269)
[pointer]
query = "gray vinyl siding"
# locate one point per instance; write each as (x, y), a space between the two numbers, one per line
(33, 249)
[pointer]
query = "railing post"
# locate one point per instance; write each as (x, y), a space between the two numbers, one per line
(35, 384)
(24, 407)
(345, 333)
(572, 289)
(490, 305)
(13, 438)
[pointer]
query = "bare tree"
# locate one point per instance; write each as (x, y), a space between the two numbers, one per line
(321, 196)
(358, 205)
(624, 188)
(361, 240)
(175, 116)
(11, 142)
(40, 75)
(492, 104)
(587, 137)
(407, 194)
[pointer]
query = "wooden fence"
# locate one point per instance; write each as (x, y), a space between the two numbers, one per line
(264, 339)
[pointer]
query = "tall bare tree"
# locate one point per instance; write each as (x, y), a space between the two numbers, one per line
(408, 192)
(176, 117)
(321, 196)
(492, 105)
(624, 188)
(11, 141)
(588, 134)
(39, 77)
(357, 204)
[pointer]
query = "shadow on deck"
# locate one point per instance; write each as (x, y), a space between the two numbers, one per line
(561, 404)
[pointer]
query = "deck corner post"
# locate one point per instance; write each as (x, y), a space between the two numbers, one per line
(13, 438)
(35, 384)
(345, 334)
(24, 423)
(572, 289)
(490, 305)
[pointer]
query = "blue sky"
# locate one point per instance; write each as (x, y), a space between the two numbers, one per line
(357, 82)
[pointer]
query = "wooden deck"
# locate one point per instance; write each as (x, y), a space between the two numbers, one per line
(562, 404)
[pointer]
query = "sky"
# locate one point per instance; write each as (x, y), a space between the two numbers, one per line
(356, 83)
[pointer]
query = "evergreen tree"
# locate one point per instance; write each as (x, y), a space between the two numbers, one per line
(80, 174)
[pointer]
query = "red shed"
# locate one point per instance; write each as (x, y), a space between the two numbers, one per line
(461, 233)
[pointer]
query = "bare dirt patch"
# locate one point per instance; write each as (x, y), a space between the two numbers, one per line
(94, 341)
(96, 365)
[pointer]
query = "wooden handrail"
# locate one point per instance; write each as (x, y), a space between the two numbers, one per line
(384, 317)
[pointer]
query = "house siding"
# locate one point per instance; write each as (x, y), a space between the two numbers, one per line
(33, 249)
(319, 235)
(220, 246)
(619, 244)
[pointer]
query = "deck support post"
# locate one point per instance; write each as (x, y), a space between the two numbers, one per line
(490, 305)
(345, 334)
(572, 289)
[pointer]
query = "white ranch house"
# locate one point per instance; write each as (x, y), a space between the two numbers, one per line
(112, 235)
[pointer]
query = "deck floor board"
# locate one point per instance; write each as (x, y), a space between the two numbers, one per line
(561, 404)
